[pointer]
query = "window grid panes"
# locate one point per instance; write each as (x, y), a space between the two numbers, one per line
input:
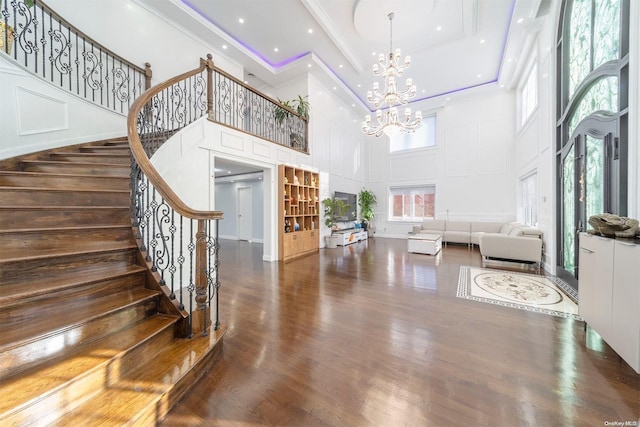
(423, 137)
(606, 35)
(594, 180)
(412, 203)
(579, 44)
(602, 96)
(568, 211)
(529, 206)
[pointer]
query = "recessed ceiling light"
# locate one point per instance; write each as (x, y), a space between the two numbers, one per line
(241, 20)
(509, 60)
(479, 75)
(481, 41)
(310, 31)
(340, 66)
(308, 65)
(224, 46)
(335, 88)
(275, 49)
(359, 85)
(353, 105)
(519, 21)
(373, 54)
(439, 27)
(228, 171)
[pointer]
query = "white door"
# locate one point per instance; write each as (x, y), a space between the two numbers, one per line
(245, 209)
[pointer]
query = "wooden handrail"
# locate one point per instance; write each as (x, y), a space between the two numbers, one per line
(140, 155)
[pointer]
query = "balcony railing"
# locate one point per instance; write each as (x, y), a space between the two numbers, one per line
(40, 40)
(46, 44)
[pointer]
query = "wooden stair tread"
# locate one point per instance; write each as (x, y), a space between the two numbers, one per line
(80, 190)
(17, 292)
(27, 244)
(19, 391)
(28, 331)
(139, 397)
(56, 175)
(62, 208)
(64, 254)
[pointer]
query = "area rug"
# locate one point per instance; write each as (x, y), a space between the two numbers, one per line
(540, 294)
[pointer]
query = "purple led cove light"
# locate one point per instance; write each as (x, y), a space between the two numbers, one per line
(279, 65)
(275, 65)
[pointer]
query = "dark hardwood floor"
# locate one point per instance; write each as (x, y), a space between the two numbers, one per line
(370, 335)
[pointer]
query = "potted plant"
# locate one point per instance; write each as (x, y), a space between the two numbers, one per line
(333, 209)
(301, 106)
(366, 201)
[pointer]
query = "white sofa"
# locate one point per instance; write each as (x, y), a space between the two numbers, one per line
(504, 241)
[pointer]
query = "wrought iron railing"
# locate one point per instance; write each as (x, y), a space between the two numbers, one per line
(241, 107)
(40, 40)
(180, 243)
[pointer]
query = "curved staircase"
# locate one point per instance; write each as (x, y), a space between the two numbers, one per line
(87, 336)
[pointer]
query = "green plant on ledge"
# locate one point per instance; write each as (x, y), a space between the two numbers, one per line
(300, 105)
(366, 201)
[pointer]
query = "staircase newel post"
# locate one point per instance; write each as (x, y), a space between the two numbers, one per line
(201, 315)
(147, 75)
(210, 66)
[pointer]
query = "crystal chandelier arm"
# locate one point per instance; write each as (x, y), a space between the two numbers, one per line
(389, 121)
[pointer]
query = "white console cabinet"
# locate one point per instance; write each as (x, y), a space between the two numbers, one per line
(609, 293)
(351, 236)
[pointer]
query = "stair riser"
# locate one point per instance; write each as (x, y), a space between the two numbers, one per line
(76, 168)
(113, 149)
(53, 303)
(14, 272)
(76, 182)
(23, 219)
(20, 357)
(63, 240)
(78, 390)
(92, 158)
(27, 197)
(141, 355)
(195, 373)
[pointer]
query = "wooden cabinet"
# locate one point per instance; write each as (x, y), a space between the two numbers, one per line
(298, 212)
(609, 293)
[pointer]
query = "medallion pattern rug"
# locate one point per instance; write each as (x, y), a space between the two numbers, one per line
(531, 292)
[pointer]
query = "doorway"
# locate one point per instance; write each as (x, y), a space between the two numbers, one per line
(245, 213)
(590, 184)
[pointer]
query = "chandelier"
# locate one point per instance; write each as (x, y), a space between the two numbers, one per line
(389, 121)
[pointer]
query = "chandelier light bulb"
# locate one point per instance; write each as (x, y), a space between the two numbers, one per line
(388, 121)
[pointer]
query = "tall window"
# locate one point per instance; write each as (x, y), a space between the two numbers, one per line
(529, 203)
(412, 203)
(529, 95)
(423, 137)
(592, 119)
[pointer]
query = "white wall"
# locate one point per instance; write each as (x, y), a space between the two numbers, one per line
(535, 140)
(472, 165)
(35, 115)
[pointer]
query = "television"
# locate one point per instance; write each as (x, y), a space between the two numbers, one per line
(352, 201)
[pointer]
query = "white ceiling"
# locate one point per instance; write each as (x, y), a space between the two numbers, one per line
(455, 45)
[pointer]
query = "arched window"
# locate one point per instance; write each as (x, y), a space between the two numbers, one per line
(592, 116)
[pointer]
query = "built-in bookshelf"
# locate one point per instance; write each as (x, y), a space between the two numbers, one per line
(298, 212)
